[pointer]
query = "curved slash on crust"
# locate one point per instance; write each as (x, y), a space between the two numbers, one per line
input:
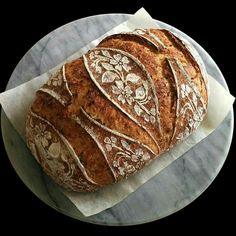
(69, 147)
(192, 53)
(93, 136)
(65, 80)
(170, 64)
(54, 95)
(142, 67)
(115, 132)
(159, 45)
(156, 38)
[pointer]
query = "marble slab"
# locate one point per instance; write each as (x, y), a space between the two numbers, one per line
(169, 191)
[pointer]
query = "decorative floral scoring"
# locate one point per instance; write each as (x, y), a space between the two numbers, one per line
(127, 160)
(195, 116)
(125, 93)
(43, 135)
(55, 80)
(115, 70)
(53, 156)
(120, 62)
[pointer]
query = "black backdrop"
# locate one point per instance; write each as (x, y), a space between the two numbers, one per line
(210, 25)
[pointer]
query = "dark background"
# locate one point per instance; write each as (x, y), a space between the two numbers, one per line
(211, 25)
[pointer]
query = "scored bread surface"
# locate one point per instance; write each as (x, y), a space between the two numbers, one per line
(106, 115)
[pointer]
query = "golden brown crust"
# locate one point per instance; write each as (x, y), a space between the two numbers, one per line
(96, 107)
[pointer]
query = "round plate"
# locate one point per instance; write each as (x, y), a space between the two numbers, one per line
(169, 191)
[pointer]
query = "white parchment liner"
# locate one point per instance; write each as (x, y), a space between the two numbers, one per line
(220, 102)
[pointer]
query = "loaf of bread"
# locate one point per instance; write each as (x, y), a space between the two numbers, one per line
(106, 115)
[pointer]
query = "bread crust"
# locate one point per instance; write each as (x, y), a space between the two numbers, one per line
(106, 115)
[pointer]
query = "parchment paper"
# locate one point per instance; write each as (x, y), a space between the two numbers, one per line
(220, 102)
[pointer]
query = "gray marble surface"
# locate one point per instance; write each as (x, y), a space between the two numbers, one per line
(169, 191)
